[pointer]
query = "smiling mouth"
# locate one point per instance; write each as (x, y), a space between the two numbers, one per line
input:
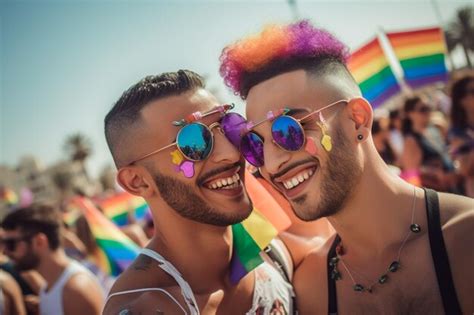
(225, 183)
(298, 178)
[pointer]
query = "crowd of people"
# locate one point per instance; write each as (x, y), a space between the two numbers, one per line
(429, 143)
(362, 240)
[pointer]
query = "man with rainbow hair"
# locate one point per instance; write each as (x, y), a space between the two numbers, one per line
(398, 249)
(174, 145)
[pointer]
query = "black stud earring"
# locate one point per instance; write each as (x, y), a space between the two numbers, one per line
(360, 137)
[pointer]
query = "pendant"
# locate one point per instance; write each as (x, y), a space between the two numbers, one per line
(415, 228)
(394, 266)
(383, 279)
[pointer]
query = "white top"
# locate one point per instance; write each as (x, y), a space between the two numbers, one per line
(51, 302)
(271, 292)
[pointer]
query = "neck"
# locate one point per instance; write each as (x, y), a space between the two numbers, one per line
(201, 252)
(52, 266)
(419, 128)
(375, 219)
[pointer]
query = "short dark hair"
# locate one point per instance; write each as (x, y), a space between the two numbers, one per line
(126, 111)
(34, 219)
(458, 92)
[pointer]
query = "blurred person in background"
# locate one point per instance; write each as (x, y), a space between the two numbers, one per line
(424, 150)
(30, 282)
(461, 134)
(380, 135)
(11, 298)
(396, 135)
(34, 242)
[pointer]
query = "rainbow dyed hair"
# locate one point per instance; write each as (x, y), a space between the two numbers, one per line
(277, 44)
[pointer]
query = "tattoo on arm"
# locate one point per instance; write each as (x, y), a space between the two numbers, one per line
(142, 263)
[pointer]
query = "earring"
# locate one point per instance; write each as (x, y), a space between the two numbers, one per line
(360, 137)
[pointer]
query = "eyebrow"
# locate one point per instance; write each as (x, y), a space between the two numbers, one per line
(294, 111)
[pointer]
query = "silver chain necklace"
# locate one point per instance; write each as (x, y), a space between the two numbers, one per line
(393, 267)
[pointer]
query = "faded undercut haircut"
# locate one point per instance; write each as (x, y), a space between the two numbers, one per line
(125, 114)
(283, 48)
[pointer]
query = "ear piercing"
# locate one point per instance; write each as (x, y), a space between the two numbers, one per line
(360, 137)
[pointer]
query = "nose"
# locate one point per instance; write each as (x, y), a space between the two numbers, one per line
(274, 157)
(223, 150)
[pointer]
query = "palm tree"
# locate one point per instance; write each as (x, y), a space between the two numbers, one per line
(461, 32)
(79, 148)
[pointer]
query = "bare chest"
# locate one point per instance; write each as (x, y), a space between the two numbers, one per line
(413, 289)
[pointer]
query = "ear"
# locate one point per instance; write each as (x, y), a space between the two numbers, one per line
(361, 114)
(135, 180)
(40, 241)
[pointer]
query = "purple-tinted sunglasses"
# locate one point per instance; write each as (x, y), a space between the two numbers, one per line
(195, 140)
(287, 132)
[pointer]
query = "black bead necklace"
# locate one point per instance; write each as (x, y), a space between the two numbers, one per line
(392, 268)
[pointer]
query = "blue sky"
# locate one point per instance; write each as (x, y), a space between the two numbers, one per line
(64, 63)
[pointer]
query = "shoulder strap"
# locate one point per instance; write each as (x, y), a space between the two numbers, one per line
(439, 254)
(186, 290)
(332, 293)
(281, 258)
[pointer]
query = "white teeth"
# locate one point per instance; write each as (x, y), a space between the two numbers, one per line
(226, 183)
(297, 179)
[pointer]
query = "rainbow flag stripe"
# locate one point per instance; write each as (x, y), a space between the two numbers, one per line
(9, 196)
(421, 54)
(372, 72)
(253, 234)
(118, 207)
(116, 250)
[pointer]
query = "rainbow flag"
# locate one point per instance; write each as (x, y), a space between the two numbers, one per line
(421, 54)
(8, 196)
(118, 207)
(116, 250)
(253, 234)
(372, 72)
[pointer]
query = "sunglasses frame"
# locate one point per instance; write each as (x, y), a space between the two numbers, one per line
(281, 113)
(189, 120)
(15, 241)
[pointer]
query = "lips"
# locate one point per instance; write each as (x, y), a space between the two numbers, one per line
(227, 182)
(295, 180)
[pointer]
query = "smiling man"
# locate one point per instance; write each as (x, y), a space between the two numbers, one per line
(399, 249)
(172, 144)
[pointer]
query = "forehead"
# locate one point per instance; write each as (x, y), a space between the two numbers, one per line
(292, 89)
(158, 116)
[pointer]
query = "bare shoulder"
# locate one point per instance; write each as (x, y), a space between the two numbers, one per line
(457, 219)
(150, 302)
(310, 282)
(82, 294)
(150, 291)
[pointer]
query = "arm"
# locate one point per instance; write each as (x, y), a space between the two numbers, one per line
(457, 217)
(82, 295)
(13, 297)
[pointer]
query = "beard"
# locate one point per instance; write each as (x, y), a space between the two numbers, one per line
(28, 262)
(182, 198)
(338, 181)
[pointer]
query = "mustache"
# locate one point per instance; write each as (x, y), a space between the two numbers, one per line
(202, 179)
(291, 166)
